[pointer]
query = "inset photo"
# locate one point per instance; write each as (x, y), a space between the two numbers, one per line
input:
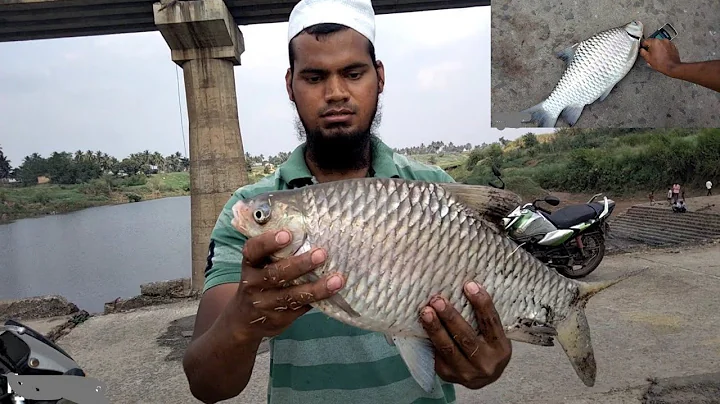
(605, 64)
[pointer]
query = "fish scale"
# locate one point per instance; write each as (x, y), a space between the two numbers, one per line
(593, 68)
(398, 242)
(443, 228)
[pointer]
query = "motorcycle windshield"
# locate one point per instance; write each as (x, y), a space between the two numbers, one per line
(13, 351)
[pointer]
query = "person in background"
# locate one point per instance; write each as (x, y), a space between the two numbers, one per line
(662, 56)
(675, 192)
(651, 196)
(669, 196)
(708, 185)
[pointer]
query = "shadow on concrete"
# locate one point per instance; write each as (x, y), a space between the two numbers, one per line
(526, 35)
(696, 389)
(178, 335)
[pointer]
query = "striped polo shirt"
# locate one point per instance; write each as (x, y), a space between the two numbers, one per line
(318, 359)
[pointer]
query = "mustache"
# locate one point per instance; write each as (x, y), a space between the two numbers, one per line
(339, 109)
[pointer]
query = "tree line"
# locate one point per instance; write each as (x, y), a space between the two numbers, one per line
(83, 166)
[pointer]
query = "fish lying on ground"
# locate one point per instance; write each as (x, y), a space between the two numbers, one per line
(592, 69)
(398, 242)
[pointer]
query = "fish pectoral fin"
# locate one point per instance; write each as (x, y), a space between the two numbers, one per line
(541, 335)
(335, 300)
(571, 114)
(419, 356)
(489, 203)
(574, 337)
(568, 54)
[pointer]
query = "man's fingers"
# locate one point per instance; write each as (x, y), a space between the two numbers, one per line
(258, 248)
(462, 333)
(277, 274)
(296, 297)
(444, 343)
(488, 319)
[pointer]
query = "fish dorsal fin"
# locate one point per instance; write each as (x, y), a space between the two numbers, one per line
(487, 202)
(568, 54)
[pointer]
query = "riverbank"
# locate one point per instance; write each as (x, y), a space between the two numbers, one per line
(48, 199)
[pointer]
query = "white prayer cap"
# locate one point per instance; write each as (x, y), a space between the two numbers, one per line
(356, 14)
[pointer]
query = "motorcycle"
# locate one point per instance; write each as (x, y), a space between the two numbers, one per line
(571, 239)
(34, 370)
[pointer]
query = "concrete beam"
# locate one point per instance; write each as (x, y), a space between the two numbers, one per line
(206, 43)
(200, 29)
(22, 20)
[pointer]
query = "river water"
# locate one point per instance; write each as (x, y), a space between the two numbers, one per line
(96, 255)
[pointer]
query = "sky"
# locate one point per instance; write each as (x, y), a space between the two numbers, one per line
(119, 93)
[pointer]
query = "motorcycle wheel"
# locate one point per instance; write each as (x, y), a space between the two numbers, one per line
(592, 263)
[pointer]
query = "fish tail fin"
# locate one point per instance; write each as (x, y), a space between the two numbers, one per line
(590, 289)
(541, 116)
(573, 332)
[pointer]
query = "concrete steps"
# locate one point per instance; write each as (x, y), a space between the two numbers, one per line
(659, 225)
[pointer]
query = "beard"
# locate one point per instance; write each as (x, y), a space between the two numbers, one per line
(344, 151)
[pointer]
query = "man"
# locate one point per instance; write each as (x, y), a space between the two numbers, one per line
(675, 192)
(663, 56)
(708, 185)
(334, 82)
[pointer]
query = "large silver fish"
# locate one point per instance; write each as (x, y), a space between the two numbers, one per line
(592, 69)
(398, 242)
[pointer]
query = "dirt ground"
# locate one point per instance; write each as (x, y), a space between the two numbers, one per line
(661, 324)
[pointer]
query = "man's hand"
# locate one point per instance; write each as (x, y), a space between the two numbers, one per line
(461, 355)
(266, 304)
(661, 55)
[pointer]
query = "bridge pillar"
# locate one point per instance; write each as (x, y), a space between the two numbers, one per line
(206, 42)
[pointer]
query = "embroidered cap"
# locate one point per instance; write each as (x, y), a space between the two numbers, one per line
(356, 14)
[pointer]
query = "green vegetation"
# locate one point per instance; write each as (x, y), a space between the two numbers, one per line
(620, 162)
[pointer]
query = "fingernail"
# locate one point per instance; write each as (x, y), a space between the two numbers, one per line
(334, 283)
(427, 315)
(438, 304)
(317, 257)
(472, 288)
(282, 237)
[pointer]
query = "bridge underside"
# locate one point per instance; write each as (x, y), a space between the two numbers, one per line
(22, 20)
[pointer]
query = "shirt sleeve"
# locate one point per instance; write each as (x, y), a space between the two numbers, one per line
(225, 257)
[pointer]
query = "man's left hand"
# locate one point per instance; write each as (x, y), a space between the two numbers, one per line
(462, 355)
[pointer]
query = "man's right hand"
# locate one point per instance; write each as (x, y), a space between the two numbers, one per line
(266, 304)
(661, 55)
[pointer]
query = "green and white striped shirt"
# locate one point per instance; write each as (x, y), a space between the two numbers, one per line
(318, 359)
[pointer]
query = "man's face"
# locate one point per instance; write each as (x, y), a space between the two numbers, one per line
(334, 86)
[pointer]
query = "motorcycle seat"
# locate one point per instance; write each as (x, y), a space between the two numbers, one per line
(568, 216)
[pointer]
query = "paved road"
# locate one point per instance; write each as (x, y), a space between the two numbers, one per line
(526, 35)
(663, 324)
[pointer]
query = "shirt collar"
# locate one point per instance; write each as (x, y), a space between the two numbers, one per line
(295, 173)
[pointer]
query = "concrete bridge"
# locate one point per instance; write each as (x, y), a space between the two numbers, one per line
(205, 40)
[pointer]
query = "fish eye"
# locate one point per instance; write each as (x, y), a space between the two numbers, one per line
(261, 215)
